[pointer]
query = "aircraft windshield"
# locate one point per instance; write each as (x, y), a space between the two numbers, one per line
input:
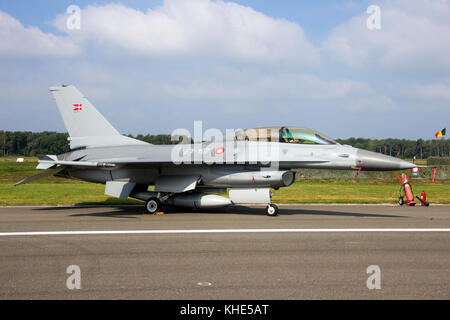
(284, 134)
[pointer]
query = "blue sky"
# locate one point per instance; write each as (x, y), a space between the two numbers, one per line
(154, 66)
(317, 17)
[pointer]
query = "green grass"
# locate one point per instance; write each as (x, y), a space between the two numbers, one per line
(58, 191)
(56, 194)
(420, 162)
(10, 169)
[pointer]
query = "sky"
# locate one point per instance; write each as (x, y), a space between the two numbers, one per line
(151, 67)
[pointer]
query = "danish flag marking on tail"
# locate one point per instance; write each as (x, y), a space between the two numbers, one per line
(77, 107)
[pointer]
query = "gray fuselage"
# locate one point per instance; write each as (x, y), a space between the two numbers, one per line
(240, 163)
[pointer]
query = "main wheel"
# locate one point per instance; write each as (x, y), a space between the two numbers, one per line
(272, 210)
(153, 205)
(401, 201)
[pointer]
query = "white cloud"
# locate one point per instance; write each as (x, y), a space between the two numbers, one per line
(434, 92)
(438, 91)
(413, 37)
(370, 104)
(229, 65)
(17, 40)
(200, 28)
(233, 84)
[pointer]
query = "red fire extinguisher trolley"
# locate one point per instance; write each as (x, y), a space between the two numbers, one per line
(407, 195)
(407, 192)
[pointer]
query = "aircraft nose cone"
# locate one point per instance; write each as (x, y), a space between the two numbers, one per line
(369, 160)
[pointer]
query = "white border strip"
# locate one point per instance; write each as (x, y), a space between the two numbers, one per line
(100, 232)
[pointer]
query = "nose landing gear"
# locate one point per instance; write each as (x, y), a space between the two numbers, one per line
(272, 210)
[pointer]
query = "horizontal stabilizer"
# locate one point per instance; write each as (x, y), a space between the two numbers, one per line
(47, 157)
(47, 161)
(55, 166)
(40, 175)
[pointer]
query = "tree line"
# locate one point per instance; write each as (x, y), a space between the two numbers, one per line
(402, 148)
(26, 143)
(32, 143)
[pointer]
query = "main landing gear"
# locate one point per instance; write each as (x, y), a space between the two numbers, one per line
(153, 205)
(272, 210)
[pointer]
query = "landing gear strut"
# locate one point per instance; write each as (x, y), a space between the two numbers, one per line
(272, 210)
(153, 205)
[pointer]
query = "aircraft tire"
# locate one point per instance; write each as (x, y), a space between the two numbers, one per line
(153, 205)
(272, 210)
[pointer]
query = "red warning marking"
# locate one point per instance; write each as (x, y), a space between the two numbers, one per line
(78, 107)
(356, 173)
(220, 150)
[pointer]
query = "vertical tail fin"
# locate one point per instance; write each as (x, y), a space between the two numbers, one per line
(79, 115)
(86, 126)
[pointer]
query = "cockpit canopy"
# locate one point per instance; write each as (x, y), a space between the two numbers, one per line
(284, 134)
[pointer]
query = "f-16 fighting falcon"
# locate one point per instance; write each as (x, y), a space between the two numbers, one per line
(193, 174)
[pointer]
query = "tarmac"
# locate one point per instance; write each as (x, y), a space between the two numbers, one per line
(307, 252)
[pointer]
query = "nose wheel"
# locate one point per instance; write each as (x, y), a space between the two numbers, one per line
(272, 210)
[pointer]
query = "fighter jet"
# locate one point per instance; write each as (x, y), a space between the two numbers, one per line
(248, 164)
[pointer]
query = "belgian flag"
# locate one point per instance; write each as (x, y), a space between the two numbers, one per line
(440, 133)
